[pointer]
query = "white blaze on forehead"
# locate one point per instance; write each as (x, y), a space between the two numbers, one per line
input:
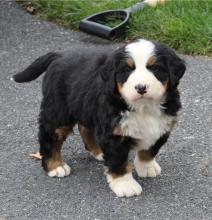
(141, 51)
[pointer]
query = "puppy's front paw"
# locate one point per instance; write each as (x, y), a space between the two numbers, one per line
(98, 157)
(60, 171)
(124, 186)
(147, 168)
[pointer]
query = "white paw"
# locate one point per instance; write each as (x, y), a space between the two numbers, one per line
(147, 168)
(124, 186)
(60, 171)
(99, 157)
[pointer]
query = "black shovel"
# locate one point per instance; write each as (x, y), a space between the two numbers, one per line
(96, 24)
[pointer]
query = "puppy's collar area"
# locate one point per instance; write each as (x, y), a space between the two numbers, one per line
(145, 105)
(161, 106)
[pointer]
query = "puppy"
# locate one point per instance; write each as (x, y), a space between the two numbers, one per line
(122, 100)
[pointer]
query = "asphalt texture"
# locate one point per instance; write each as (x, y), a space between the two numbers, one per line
(183, 191)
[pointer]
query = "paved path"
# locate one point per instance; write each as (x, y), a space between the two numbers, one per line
(182, 192)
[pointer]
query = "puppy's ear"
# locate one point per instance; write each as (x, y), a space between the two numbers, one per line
(177, 69)
(108, 72)
(110, 68)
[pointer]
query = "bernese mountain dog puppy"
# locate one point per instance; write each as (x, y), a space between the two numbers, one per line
(122, 99)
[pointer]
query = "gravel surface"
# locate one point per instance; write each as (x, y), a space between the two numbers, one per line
(184, 191)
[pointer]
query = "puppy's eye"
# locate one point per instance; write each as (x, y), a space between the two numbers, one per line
(159, 71)
(130, 68)
(151, 67)
(130, 64)
(156, 67)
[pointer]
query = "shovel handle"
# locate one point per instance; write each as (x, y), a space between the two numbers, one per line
(95, 28)
(136, 7)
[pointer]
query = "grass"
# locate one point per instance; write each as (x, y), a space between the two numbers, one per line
(185, 25)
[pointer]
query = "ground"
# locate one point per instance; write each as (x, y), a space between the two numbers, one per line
(183, 191)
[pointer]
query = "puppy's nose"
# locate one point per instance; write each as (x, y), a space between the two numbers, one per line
(141, 89)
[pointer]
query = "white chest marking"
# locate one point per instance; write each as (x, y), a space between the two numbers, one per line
(147, 123)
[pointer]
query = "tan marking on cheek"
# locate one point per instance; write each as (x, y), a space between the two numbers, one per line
(165, 85)
(151, 61)
(130, 62)
(89, 140)
(128, 169)
(119, 87)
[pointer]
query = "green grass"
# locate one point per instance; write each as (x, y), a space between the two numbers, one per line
(185, 25)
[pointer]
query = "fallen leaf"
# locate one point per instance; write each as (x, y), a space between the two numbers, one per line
(31, 9)
(36, 156)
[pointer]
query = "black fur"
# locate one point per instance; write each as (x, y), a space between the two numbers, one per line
(36, 68)
(81, 87)
(169, 67)
(159, 143)
(168, 62)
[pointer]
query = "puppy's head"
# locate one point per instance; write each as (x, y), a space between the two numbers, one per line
(144, 70)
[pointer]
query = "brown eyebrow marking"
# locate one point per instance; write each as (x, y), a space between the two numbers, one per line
(130, 62)
(152, 60)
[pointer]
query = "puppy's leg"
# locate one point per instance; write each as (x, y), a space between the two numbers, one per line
(145, 163)
(90, 143)
(119, 173)
(51, 141)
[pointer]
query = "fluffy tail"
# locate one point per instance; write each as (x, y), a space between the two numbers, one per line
(34, 70)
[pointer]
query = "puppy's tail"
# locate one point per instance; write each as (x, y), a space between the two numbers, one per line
(34, 70)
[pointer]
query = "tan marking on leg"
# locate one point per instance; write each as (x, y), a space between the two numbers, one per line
(145, 155)
(56, 167)
(124, 184)
(56, 159)
(128, 169)
(63, 132)
(89, 141)
(146, 165)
